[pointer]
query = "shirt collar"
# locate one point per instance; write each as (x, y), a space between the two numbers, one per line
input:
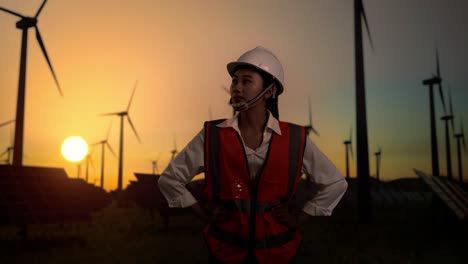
(272, 123)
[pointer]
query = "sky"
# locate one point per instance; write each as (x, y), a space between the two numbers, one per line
(177, 51)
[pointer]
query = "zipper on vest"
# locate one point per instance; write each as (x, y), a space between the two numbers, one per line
(253, 189)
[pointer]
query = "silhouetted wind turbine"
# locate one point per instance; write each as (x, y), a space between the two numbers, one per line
(348, 148)
(377, 160)
(8, 152)
(364, 198)
(310, 127)
(103, 144)
(155, 164)
(460, 137)
(89, 160)
(435, 80)
(9, 149)
(448, 151)
(174, 151)
(24, 24)
(122, 115)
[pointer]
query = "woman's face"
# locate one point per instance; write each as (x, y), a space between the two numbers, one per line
(245, 85)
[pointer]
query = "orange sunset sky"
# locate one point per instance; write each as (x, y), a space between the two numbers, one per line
(178, 50)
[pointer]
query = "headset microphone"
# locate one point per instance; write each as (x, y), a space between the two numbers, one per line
(242, 106)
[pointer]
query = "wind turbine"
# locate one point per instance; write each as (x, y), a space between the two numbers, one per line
(435, 80)
(460, 137)
(310, 127)
(8, 153)
(122, 115)
(89, 160)
(155, 164)
(9, 149)
(377, 159)
(103, 144)
(448, 152)
(174, 151)
(348, 148)
(24, 24)
(364, 198)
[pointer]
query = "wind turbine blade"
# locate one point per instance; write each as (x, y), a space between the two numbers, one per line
(107, 114)
(315, 131)
(351, 149)
(7, 122)
(110, 148)
(133, 128)
(40, 9)
(363, 13)
(11, 12)
(4, 152)
(440, 84)
(44, 51)
(133, 93)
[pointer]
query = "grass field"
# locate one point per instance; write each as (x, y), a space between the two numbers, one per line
(130, 235)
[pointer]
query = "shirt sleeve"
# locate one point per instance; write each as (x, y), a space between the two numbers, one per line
(332, 184)
(181, 170)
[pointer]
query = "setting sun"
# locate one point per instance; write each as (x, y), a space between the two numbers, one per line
(74, 148)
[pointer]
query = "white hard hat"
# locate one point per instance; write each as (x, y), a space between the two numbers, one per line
(263, 60)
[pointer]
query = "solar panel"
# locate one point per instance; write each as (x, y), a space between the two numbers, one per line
(444, 192)
(34, 195)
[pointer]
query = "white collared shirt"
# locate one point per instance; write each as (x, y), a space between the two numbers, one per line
(190, 162)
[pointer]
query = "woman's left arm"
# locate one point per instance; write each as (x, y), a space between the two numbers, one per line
(332, 185)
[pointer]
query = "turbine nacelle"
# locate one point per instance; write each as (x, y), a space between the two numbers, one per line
(432, 81)
(26, 22)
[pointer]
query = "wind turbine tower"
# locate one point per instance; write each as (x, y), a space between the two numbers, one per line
(348, 148)
(435, 80)
(174, 151)
(24, 24)
(378, 155)
(364, 198)
(446, 119)
(103, 144)
(122, 115)
(460, 137)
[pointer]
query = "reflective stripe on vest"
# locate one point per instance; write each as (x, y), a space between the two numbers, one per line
(262, 242)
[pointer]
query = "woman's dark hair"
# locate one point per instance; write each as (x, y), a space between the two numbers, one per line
(271, 103)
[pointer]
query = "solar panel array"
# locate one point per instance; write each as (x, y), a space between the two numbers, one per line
(146, 194)
(449, 192)
(36, 195)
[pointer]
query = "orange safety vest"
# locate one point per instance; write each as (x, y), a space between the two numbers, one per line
(251, 235)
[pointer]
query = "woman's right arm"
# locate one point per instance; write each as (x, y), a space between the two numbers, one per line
(180, 171)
